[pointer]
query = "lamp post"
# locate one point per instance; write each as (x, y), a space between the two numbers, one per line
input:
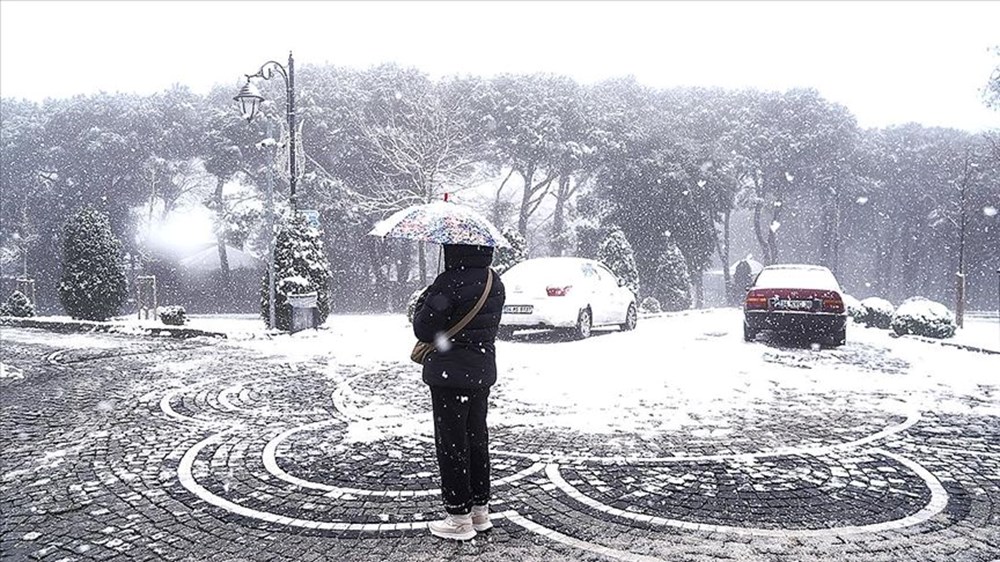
(249, 100)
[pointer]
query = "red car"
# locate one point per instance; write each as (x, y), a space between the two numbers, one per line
(798, 299)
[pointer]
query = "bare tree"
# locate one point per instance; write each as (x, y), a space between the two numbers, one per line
(415, 153)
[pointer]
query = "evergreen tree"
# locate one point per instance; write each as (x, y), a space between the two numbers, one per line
(93, 283)
(300, 266)
(506, 258)
(17, 305)
(672, 284)
(616, 253)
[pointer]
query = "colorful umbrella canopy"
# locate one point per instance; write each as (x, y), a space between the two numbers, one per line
(441, 222)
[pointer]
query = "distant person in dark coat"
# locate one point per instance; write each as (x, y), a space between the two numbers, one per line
(460, 373)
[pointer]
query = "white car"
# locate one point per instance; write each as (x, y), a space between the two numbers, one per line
(575, 294)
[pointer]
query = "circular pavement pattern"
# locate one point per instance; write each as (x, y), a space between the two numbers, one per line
(197, 450)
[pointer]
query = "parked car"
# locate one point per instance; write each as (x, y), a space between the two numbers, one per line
(800, 299)
(574, 294)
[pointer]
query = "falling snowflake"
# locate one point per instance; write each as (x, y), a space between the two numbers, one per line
(701, 183)
(777, 204)
(789, 177)
(775, 225)
(442, 342)
(862, 200)
(990, 211)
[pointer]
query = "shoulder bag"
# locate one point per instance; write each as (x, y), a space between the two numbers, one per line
(422, 349)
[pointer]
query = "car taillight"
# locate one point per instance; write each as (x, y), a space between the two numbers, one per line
(755, 301)
(833, 304)
(558, 291)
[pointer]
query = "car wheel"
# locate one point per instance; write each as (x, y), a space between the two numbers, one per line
(749, 334)
(584, 323)
(505, 333)
(631, 318)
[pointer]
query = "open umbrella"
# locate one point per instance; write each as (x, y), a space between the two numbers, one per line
(443, 223)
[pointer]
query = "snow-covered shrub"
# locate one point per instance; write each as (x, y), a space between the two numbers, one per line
(923, 317)
(853, 307)
(649, 305)
(411, 303)
(173, 315)
(300, 266)
(93, 280)
(506, 258)
(672, 282)
(877, 313)
(616, 253)
(17, 305)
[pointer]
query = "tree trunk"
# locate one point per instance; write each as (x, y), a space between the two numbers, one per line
(422, 259)
(558, 220)
(765, 254)
(728, 280)
(528, 175)
(698, 282)
(226, 294)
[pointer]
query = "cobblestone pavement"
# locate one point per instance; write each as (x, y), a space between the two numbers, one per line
(137, 448)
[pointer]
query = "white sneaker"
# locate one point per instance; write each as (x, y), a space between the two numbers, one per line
(454, 527)
(481, 518)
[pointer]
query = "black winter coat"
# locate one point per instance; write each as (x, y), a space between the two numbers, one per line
(470, 361)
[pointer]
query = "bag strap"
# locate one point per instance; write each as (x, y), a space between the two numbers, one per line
(475, 310)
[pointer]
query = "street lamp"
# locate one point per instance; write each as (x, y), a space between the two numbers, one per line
(249, 100)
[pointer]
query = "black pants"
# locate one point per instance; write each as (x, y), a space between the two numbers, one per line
(462, 442)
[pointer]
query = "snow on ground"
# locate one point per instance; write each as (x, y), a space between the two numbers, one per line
(10, 372)
(981, 332)
(67, 341)
(687, 370)
(673, 371)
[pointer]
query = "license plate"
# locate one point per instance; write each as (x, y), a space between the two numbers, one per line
(793, 304)
(517, 309)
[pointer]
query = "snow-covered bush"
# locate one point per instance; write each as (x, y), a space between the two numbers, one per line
(506, 258)
(853, 307)
(616, 253)
(173, 315)
(923, 317)
(93, 280)
(411, 303)
(672, 282)
(649, 305)
(17, 305)
(877, 313)
(300, 266)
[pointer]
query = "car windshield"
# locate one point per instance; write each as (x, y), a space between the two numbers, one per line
(796, 278)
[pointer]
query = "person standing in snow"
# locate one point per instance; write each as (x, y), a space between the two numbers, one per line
(460, 373)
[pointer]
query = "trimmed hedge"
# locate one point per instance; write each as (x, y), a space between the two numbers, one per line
(854, 308)
(650, 305)
(923, 317)
(877, 313)
(17, 305)
(173, 315)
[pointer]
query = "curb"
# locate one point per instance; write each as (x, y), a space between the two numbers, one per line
(688, 312)
(962, 346)
(84, 326)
